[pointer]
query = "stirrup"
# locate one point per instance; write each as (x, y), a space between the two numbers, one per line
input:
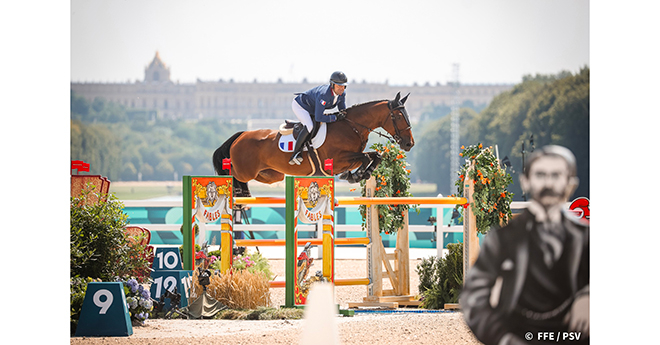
(296, 160)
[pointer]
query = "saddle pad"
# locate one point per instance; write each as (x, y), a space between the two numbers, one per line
(287, 142)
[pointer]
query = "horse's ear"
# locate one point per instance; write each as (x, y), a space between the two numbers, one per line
(404, 99)
(396, 99)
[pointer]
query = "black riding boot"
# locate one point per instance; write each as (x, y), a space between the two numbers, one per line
(302, 138)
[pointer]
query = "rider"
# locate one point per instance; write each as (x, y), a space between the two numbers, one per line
(313, 102)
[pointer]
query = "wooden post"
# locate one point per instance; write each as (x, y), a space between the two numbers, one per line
(374, 251)
(403, 248)
(470, 239)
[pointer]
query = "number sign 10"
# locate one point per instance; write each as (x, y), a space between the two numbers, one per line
(167, 259)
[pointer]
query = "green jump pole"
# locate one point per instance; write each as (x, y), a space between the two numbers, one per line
(188, 239)
(290, 260)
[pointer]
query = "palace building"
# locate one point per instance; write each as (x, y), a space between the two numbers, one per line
(158, 94)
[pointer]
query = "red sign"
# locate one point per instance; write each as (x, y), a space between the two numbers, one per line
(329, 165)
(80, 166)
(581, 208)
(226, 164)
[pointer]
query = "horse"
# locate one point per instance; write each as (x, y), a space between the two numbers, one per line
(255, 154)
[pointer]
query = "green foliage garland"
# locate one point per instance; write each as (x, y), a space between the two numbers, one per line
(491, 200)
(392, 180)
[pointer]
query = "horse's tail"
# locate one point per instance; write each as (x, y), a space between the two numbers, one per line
(223, 152)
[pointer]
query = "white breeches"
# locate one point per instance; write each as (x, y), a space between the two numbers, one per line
(302, 115)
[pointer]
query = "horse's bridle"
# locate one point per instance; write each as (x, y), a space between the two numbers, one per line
(402, 109)
(397, 135)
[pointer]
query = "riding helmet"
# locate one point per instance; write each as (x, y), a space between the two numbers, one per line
(339, 78)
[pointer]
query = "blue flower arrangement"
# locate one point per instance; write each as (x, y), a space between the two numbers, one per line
(138, 301)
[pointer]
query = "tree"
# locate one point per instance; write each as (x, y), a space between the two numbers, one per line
(552, 108)
(432, 151)
(96, 145)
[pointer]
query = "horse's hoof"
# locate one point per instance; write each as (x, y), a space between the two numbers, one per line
(348, 176)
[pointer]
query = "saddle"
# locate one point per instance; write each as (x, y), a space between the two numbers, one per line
(291, 127)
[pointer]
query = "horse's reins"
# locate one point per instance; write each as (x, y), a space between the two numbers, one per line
(397, 135)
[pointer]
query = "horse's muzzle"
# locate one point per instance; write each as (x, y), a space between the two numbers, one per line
(407, 144)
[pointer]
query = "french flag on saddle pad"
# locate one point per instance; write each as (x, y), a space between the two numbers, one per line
(286, 146)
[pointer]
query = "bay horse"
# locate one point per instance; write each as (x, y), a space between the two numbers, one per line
(255, 154)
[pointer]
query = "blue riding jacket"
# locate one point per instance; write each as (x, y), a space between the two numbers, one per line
(317, 99)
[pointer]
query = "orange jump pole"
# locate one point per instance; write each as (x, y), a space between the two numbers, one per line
(260, 200)
(351, 281)
(301, 242)
(337, 282)
(344, 201)
(401, 201)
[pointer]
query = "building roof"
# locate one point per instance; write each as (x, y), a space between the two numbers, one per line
(157, 61)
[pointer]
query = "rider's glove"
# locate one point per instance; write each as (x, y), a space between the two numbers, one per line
(341, 115)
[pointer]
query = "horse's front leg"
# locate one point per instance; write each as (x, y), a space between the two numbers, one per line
(364, 161)
(374, 159)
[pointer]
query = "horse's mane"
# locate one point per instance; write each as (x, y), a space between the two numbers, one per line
(366, 103)
(354, 106)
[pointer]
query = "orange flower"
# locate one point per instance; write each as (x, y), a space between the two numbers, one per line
(462, 147)
(480, 146)
(408, 171)
(462, 177)
(461, 154)
(352, 190)
(503, 195)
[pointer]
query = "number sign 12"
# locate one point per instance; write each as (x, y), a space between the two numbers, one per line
(169, 280)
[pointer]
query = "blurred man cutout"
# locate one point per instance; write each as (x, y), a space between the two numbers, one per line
(530, 282)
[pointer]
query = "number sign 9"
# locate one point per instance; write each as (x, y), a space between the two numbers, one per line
(104, 311)
(104, 305)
